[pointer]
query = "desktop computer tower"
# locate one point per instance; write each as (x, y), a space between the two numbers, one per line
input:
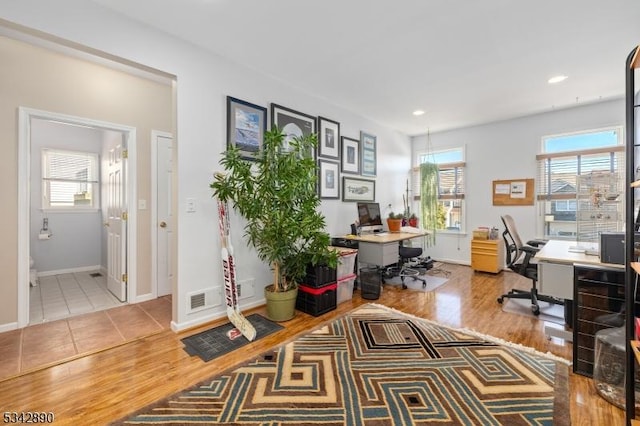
(612, 248)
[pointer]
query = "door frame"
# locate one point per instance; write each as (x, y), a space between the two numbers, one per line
(25, 115)
(155, 134)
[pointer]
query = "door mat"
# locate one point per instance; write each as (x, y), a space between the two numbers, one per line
(220, 340)
(548, 311)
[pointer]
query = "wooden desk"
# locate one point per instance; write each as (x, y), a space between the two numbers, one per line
(381, 250)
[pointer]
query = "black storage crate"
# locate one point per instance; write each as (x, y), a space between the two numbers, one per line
(319, 276)
(317, 301)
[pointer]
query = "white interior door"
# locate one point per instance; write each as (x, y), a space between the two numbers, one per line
(164, 228)
(116, 220)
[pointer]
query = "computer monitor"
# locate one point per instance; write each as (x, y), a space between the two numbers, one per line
(369, 217)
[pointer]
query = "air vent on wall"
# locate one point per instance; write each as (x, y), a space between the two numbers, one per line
(197, 301)
(202, 299)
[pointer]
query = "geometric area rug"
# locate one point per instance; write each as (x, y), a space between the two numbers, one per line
(378, 366)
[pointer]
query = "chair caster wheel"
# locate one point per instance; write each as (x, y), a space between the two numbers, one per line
(424, 285)
(404, 286)
(536, 310)
(500, 299)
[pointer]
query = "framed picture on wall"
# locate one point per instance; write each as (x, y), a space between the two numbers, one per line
(355, 189)
(246, 125)
(350, 155)
(328, 179)
(368, 150)
(292, 123)
(328, 138)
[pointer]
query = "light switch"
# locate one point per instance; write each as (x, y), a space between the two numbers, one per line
(191, 205)
(142, 204)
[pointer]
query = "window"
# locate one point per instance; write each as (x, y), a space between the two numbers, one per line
(69, 180)
(564, 158)
(451, 168)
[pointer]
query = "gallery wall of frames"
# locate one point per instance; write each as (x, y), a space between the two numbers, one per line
(347, 165)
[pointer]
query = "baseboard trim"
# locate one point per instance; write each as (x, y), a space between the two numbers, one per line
(455, 261)
(70, 270)
(144, 298)
(185, 325)
(8, 326)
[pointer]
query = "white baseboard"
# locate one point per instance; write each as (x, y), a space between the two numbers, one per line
(182, 326)
(8, 326)
(456, 261)
(70, 270)
(144, 298)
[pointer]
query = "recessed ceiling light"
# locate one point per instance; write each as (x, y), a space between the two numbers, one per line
(418, 112)
(557, 79)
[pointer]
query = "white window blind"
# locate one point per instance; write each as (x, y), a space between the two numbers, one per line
(557, 173)
(450, 181)
(451, 192)
(70, 179)
(569, 162)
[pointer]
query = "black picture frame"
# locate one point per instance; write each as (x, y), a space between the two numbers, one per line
(328, 138)
(328, 179)
(356, 189)
(350, 155)
(368, 153)
(246, 126)
(292, 123)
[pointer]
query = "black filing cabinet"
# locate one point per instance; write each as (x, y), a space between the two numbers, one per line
(598, 304)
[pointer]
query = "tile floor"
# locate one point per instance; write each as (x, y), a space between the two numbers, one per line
(65, 295)
(51, 342)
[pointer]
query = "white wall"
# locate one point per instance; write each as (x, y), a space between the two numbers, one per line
(507, 150)
(203, 82)
(76, 236)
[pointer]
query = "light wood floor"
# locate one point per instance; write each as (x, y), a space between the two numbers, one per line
(105, 386)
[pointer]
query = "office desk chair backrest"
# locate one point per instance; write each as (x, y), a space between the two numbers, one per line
(513, 244)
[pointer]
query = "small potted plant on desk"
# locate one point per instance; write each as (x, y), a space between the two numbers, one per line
(276, 194)
(394, 222)
(413, 220)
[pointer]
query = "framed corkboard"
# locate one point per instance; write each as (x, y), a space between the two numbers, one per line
(513, 192)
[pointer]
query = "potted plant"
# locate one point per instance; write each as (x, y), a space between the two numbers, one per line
(394, 222)
(413, 220)
(276, 193)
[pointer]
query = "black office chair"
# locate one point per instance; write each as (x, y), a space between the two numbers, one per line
(406, 255)
(519, 259)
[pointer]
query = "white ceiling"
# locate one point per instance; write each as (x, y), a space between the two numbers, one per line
(463, 62)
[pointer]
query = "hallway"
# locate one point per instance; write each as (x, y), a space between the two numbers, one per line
(45, 344)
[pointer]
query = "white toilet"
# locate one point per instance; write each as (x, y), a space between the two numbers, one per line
(33, 274)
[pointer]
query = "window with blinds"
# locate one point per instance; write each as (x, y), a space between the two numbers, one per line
(451, 171)
(566, 161)
(69, 179)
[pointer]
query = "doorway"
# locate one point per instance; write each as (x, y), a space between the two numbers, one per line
(121, 242)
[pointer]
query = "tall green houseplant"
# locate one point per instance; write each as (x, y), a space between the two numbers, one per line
(276, 193)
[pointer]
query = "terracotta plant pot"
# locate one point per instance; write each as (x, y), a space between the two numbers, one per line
(413, 221)
(394, 224)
